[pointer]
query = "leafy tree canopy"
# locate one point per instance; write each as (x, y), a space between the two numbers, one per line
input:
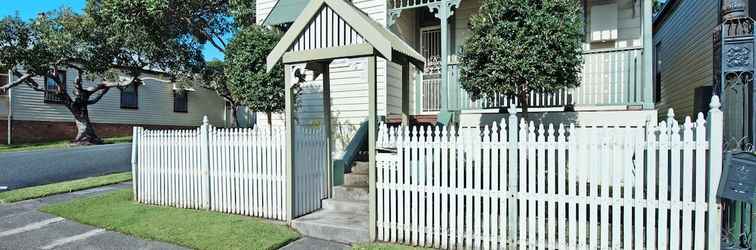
(246, 73)
(517, 46)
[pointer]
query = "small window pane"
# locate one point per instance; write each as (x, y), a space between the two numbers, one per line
(180, 101)
(129, 97)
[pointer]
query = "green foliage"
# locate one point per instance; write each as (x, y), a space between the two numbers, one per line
(243, 12)
(520, 45)
(246, 75)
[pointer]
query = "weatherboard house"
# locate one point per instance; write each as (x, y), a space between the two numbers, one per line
(616, 77)
(363, 61)
(27, 115)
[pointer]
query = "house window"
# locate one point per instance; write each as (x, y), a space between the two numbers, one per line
(52, 94)
(129, 97)
(657, 72)
(180, 101)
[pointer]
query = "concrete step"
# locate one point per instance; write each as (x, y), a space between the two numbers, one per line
(355, 179)
(340, 226)
(350, 193)
(360, 167)
(345, 205)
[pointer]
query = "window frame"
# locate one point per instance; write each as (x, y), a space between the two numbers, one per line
(185, 100)
(55, 96)
(136, 97)
(4, 79)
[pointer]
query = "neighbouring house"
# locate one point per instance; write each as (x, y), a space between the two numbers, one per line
(616, 79)
(27, 115)
(705, 47)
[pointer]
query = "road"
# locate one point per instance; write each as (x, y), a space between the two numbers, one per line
(23, 169)
(23, 226)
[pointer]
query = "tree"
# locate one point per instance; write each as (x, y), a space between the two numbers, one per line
(246, 73)
(519, 46)
(110, 45)
(214, 78)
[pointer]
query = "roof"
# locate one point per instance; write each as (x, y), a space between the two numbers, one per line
(285, 11)
(365, 33)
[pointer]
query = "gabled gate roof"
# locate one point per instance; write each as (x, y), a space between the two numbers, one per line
(331, 29)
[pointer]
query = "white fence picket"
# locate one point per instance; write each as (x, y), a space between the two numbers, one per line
(228, 170)
(569, 188)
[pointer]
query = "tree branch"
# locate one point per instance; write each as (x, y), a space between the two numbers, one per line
(21, 79)
(97, 96)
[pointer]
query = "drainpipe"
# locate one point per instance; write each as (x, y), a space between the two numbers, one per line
(10, 106)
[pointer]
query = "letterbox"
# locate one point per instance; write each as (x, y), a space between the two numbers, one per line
(738, 180)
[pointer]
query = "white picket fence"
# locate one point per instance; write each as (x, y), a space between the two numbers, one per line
(547, 187)
(239, 171)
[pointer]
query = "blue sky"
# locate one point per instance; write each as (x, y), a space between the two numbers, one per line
(28, 9)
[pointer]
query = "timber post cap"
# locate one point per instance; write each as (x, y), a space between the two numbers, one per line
(715, 104)
(205, 121)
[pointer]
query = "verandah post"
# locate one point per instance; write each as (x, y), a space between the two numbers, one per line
(289, 170)
(715, 169)
(205, 158)
(372, 130)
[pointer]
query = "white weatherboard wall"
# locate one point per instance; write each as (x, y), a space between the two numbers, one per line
(521, 186)
(349, 91)
(155, 106)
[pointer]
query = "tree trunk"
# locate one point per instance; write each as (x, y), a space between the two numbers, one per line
(523, 98)
(270, 118)
(85, 134)
(234, 114)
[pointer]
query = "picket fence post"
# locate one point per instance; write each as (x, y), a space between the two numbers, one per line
(205, 158)
(134, 167)
(513, 174)
(715, 167)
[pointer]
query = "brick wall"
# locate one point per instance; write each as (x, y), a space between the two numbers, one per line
(42, 131)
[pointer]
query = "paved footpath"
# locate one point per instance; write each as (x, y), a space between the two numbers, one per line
(23, 226)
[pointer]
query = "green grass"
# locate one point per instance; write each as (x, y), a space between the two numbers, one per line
(54, 144)
(384, 246)
(62, 187)
(197, 229)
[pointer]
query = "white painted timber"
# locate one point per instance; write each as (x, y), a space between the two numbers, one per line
(578, 188)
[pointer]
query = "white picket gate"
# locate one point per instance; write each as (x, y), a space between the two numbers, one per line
(546, 187)
(239, 171)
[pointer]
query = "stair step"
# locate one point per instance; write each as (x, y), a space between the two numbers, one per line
(346, 205)
(350, 193)
(340, 226)
(356, 180)
(360, 167)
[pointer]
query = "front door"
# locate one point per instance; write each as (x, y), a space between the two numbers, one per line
(430, 47)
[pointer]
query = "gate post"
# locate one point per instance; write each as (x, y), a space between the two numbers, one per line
(134, 167)
(205, 158)
(715, 168)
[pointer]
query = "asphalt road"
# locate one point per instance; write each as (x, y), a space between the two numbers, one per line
(23, 226)
(23, 169)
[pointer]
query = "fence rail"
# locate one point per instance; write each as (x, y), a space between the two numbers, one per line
(238, 171)
(561, 187)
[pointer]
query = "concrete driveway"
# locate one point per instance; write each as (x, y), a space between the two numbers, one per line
(23, 169)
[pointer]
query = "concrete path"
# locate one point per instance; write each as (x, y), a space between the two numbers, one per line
(307, 243)
(23, 169)
(23, 226)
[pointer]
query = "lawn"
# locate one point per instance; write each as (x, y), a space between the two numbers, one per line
(54, 144)
(196, 229)
(384, 246)
(62, 187)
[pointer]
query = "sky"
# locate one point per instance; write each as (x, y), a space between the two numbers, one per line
(28, 9)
